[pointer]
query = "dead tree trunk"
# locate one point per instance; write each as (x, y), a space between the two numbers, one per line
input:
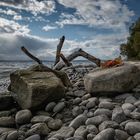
(59, 47)
(74, 55)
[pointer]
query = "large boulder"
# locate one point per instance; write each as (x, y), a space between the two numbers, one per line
(117, 79)
(34, 87)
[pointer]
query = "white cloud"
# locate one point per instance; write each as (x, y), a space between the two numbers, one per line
(34, 6)
(11, 43)
(8, 12)
(47, 28)
(101, 13)
(10, 26)
(17, 17)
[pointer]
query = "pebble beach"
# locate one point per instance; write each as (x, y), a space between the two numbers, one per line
(77, 116)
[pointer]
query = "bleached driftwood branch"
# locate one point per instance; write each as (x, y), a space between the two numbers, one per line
(76, 54)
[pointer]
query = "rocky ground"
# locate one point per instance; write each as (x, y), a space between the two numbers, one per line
(78, 116)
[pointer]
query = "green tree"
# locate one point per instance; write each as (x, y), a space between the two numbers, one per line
(132, 48)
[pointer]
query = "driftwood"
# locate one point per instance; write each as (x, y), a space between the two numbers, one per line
(30, 55)
(60, 64)
(74, 55)
(65, 60)
(59, 47)
(63, 76)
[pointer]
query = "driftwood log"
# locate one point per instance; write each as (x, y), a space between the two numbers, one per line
(76, 54)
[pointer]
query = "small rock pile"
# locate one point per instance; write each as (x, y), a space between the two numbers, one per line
(78, 116)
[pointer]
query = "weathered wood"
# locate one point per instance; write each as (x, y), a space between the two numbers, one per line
(97, 61)
(30, 55)
(76, 54)
(59, 47)
(65, 60)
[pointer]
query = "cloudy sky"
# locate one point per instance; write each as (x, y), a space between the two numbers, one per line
(96, 26)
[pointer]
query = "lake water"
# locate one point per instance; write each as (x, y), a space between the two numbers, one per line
(7, 67)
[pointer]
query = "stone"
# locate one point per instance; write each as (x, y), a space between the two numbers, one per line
(102, 111)
(96, 120)
(83, 103)
(131, 138)
(128, 106)
(34, 137)
(132, 127)
(108, 124)
(12, 135)
(122, 96)
(23, 116)
(90, 104)
(105, 99)
(137, 136)
(78, 121)
(81, 131)
(90, 136)
(5, 113)
(3, 136)
(64, 132)
(79, 93)
(59, 107)
(35, 87)
(106, 105)
(77, 101)
(90, 114)
(92, 129)
(54, 124)
(42, 112)
(118, 79)
(6, 101)
(7, 121)
(107, 134)
(118, 115)
(50, 106)
(137, 103)
(21, 135)
(130, 99)
(40, 119)
(77, 111)
(76, 138)
(38, 128)
(25, 127)
(122, 125)
(93, 99)
(5, 129)
(51, 139)
(121, 135)
(135, 115)
(86, 96)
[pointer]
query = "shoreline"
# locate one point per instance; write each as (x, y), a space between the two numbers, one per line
(77, 116)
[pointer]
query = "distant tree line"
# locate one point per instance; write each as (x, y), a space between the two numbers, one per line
(132, 48)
